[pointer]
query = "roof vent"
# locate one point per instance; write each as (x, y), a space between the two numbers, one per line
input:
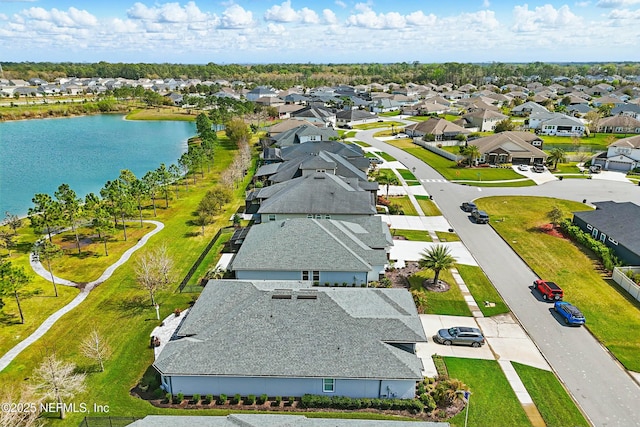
(308, 294)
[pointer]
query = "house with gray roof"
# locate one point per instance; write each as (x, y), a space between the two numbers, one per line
(632, 110)
(563, 125)
(288, 338)
(315, 115)
(325, 251)
(483, 120)
(439, 129)
(260, 92)
(619, 124)
(271, 420)
(617, 225)
(527, 108)
(304, 133)
(316, 193)
(353, 117)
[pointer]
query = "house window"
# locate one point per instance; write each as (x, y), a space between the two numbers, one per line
(318, 216)
(310, 216)
(328, 385)
(272, 217)
(589, 227)
(327, 217)
(316, 276)
(615, 242)
(603, 237)
(305, 275)
(594, 233)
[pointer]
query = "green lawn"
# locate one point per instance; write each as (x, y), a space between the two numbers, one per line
(387, 157)
(612, 315)
(445, 236)
(405, 203)
(361, 143)
(413, 235)
(493, 402)
(374, 125)
(523, 183)
(407, 175)
(552, 400)
(567, 168)
(594, 142)
(482, 290)
(451, 171)
(428, 207)
(450, 303)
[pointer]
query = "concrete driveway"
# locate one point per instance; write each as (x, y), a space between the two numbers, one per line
(406, 250)
(506, 341)
(537, 177)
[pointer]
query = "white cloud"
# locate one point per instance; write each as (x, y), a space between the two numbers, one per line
(486, 4)
(3, 17)
(236, 17)
(72, 18)
(616, 3)
(285, 13)
(277, 29)
(583, 3)
(329, 17)
(367, 18)
(418, 18)
(340, 3)
(543, 17)
(168, 12)
(624, 14)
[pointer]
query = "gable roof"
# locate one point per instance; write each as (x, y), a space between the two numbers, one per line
(437, 126)
(529, 106)
(292, 136)
(619, 221)
(298, 244)
(341, 333)
(511, 141)
(563, 120)
(355, 114)
(319, 193)
(336, 147)
(630, 142)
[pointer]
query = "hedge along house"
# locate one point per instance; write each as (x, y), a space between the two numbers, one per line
(617, 225)
(287, 338)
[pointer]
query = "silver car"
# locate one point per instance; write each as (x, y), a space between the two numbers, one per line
(460, 335)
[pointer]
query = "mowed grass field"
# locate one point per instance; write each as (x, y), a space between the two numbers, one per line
(612, 315)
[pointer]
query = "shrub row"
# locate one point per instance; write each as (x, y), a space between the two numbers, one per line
(340, 402)
(609, 260)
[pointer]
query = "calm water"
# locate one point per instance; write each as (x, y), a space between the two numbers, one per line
(36, 156)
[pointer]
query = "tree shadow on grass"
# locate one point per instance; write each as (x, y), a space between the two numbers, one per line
(9, 319)
(130, 307)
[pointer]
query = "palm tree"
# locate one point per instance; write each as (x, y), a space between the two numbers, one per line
(437, 258)
(472, 152)
(387, 179)
(557, 155)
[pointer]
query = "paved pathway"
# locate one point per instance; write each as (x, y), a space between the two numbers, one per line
(51, 320)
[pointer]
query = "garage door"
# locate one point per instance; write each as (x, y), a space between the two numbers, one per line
(618, 166)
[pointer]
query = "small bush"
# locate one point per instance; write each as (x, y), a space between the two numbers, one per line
(222, 399)
(428, 402)
(178, 398)
(251, 399)
(236, 399)
(168, 398)
(157, 393)
(196, 398)
(207, 399)
(278, 400)
(262, 399)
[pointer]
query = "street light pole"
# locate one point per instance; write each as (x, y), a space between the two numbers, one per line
(158, 311)
(467, 396)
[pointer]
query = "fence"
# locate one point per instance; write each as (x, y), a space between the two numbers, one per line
(627, 284)
(107, 421)
(431, 146)
(197, 263)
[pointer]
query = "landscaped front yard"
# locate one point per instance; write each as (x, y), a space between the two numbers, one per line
(612, 316)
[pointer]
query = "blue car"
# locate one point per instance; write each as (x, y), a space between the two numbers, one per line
(569, 313)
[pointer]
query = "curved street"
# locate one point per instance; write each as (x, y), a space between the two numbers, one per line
(606, 392)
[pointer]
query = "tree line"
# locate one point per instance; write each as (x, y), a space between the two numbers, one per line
(284, 76)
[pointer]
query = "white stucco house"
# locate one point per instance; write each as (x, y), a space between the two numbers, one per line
(623, 155)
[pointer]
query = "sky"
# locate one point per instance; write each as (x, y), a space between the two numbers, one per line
(319, 31)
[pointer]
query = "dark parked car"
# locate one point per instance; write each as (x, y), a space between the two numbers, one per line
(460, 335)
(569, 313)
(469, 206)
(480, 217)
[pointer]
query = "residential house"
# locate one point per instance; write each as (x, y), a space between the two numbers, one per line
(632, 110)
(287, 338)
(260, 92)
(563, 125)
(325, 251)
(317, 115)
(315, 193)
(527, 108)
(286, 125)
(617, 225)
(348, 118)
(438, 129)
(619, 124)
(304, 133)
(483, 120)
(622, 155)
(608, 99)
(510, 147)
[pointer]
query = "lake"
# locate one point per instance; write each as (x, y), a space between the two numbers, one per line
(36, 156)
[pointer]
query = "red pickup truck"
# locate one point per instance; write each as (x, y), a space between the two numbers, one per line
(549, 290)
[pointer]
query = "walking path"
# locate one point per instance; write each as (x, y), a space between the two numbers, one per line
(51, 320)
(505, 349)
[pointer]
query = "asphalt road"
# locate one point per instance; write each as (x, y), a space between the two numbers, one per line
(607, 394)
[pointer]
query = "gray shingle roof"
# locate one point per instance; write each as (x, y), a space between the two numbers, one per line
(308, 244)
(319, 193)
(236, 328)
(619, 221)
(270, 420)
